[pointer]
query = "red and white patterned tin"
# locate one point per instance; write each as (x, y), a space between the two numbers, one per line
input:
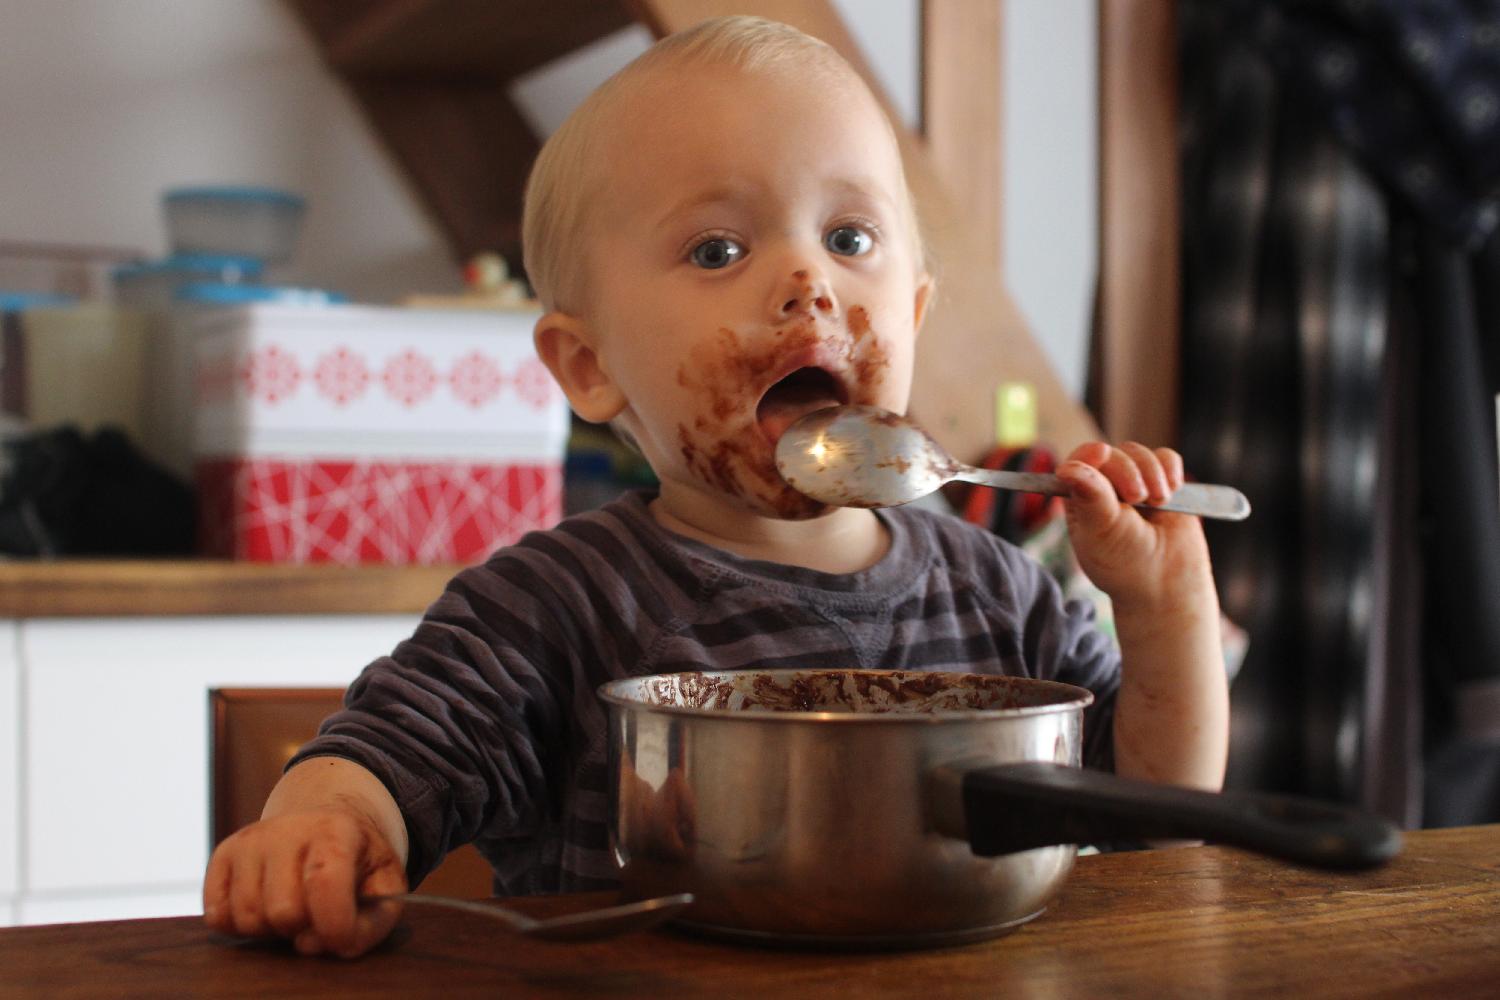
(353, 434)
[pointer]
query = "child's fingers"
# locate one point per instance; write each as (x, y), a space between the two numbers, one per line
(1171, 463)
(281, 891)
(245, 903)
(1136, 473)
(1090, 492)
(1125, 475)
(216, 909)
(1092, 453)
(328, 881)
(1148, 466)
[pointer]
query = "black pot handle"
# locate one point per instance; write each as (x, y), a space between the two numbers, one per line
(1016, 807)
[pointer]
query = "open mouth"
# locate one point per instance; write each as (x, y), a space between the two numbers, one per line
(800, 393)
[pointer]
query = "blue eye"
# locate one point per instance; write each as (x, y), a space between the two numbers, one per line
(718, 252)
(848, 241)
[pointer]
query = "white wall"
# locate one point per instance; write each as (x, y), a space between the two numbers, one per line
(889, 31)
(105, 103)
(1049, 139)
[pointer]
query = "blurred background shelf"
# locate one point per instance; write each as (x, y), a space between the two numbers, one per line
(90, 587)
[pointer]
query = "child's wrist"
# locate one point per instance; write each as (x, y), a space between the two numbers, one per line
(1151, 607)
(1168, 610)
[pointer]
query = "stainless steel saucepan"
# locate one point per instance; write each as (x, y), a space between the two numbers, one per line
(896, 809)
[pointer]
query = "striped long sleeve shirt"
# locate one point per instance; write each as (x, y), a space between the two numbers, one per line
(485, 725)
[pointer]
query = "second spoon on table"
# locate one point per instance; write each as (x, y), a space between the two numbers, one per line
(585, 926)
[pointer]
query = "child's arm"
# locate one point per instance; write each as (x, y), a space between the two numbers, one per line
(330, 832)
(1172, 712)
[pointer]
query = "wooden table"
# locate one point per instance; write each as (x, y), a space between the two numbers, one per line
(1194, 922)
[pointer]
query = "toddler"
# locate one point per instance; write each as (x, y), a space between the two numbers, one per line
(723, 240)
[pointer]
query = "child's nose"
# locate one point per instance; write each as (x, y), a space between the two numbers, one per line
(803, 292)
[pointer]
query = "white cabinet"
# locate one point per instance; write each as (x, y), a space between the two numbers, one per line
(10, 773)
(114, 754)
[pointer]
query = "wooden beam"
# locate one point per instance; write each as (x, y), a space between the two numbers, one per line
(433, 78)
(490, 41)
(961, 111)
(975, 337)
(1137, 345)
(467, 151)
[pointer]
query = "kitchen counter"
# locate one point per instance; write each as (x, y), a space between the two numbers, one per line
(107, 588)
(1186, 922)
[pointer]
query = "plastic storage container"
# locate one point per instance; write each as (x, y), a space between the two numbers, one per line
(253, 222)
(154, 283)
(15, 302)
(229, 294)
(69, 363)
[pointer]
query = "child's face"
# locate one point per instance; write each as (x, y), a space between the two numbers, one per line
(751, 261)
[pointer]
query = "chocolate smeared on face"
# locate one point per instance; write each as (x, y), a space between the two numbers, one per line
(751, 389)
(869, 366)
(821, 303)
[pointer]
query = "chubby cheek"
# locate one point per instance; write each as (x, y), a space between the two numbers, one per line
(722, 446)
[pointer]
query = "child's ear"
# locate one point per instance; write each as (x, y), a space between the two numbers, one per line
(565, 347)
(925, 287)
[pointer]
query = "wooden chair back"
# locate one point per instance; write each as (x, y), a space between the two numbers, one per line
(255, 731)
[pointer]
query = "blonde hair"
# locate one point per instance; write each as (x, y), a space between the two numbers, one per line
(562, 181)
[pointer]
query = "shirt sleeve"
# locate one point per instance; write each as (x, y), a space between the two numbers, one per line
(1091, 660)
(1061, 641)
(463, 722)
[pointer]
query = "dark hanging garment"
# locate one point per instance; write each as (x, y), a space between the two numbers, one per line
(1460, 518)
(1340, 319)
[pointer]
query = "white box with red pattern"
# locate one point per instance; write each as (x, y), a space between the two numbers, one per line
(355, 434)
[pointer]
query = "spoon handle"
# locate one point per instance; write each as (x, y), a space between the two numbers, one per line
(1224, 503)
(516, 921)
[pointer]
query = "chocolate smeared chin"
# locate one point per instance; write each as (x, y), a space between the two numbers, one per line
(794, 397)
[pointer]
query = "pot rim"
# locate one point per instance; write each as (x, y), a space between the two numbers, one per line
(1071, 697)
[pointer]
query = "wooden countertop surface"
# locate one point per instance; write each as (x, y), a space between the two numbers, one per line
(88, 587)
(1187, 922)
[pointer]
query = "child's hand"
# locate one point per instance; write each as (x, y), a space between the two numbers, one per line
(1151, 561)
(298, 876)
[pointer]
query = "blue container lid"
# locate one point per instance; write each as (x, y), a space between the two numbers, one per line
(219, 294)
(269, 196)
(191, 263)
(21, 301)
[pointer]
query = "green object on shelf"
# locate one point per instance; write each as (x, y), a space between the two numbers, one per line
(1015, 415)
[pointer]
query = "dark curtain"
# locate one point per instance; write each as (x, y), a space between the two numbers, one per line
(1341, 314)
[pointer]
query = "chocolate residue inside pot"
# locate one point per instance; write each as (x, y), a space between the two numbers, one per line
(869, 691)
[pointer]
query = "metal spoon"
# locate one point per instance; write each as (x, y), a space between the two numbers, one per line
(863, 456)
(590, 924)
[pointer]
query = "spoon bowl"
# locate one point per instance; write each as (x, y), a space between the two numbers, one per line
(863, 456)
